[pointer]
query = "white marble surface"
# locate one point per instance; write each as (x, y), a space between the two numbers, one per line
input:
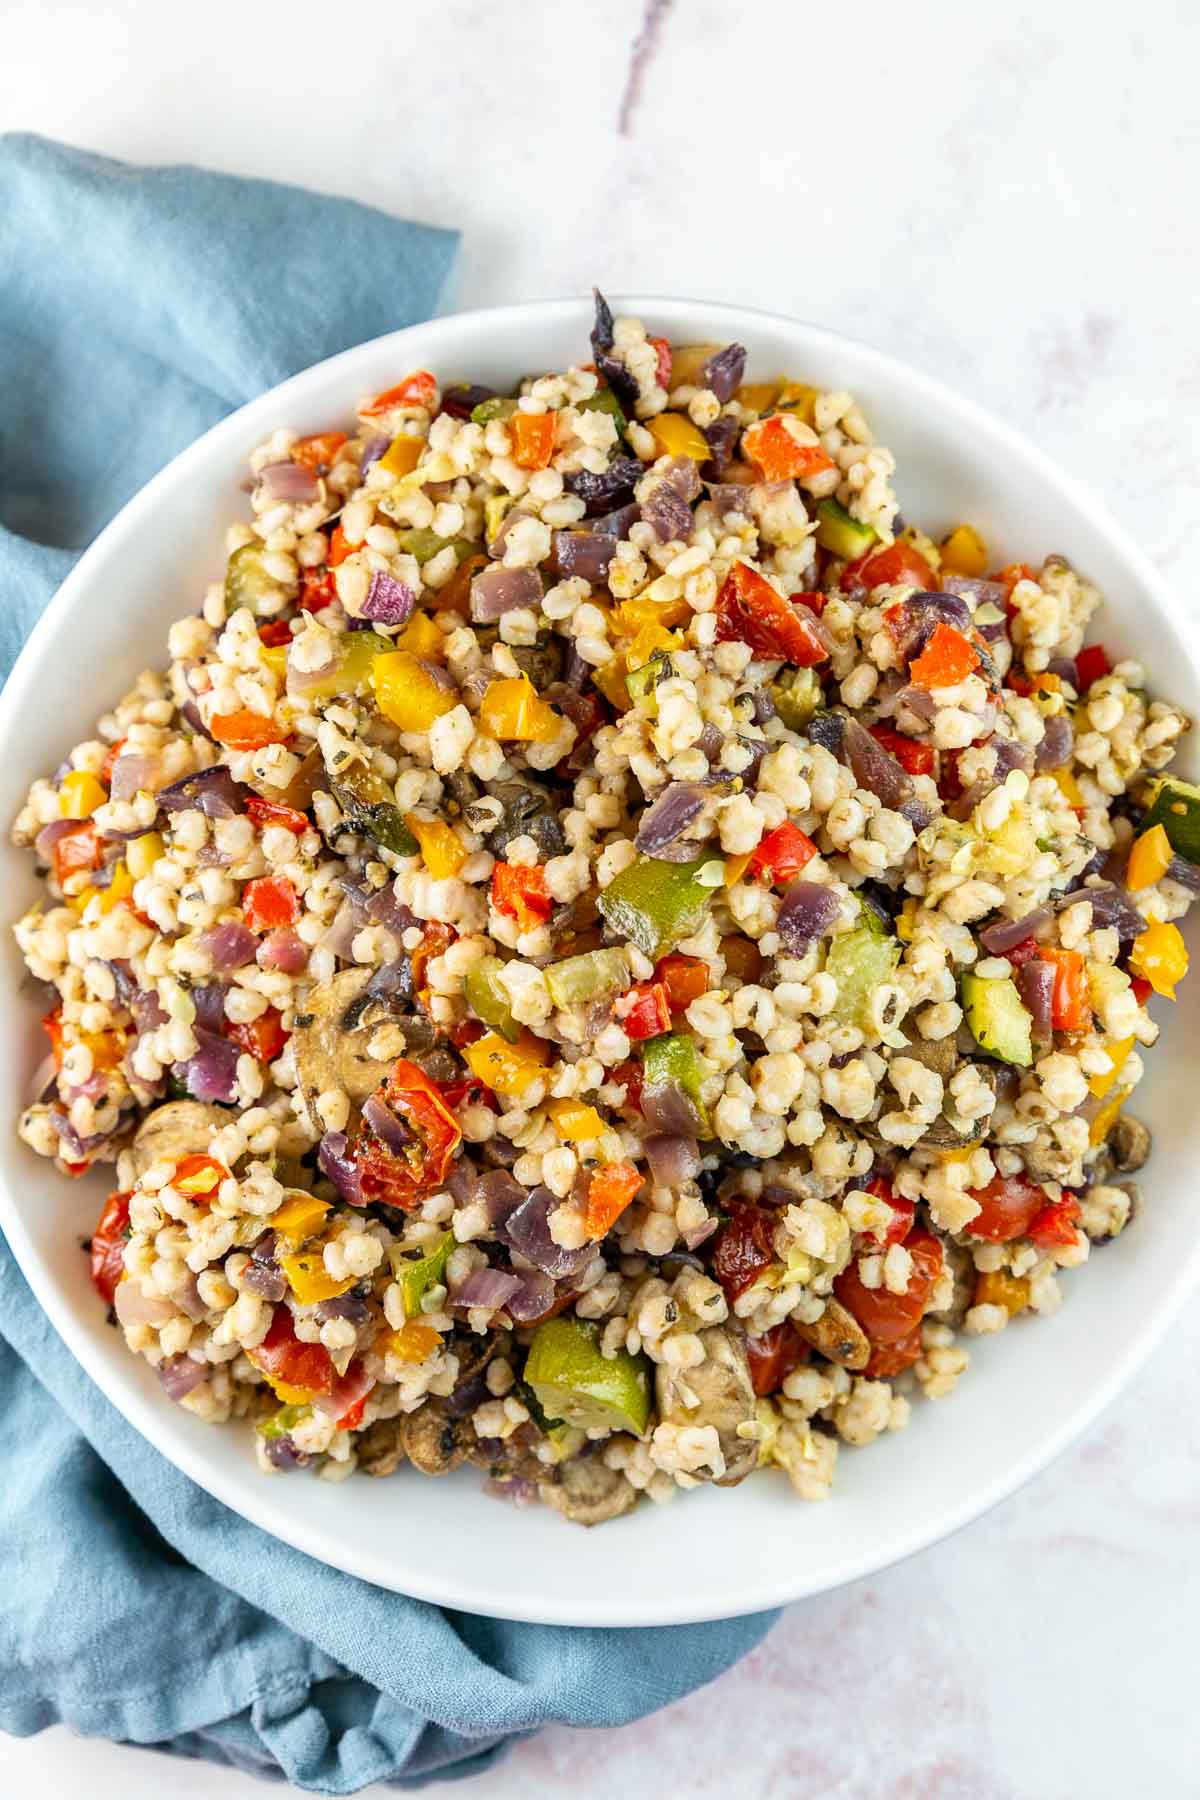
(1005, 193)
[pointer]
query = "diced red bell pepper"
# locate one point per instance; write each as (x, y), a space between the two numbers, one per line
(947, 659)
(1070, 1005)
(1023, 952)
(896, 564)
(773, 1355)
(246, 730)
(684, 977)
(76, 851)
(1008, 1206)
(268, 902)
(352, 1418)
(520, 892)
(1056, 1226)
(778, 455)
(275, 633)
(107, 1251)
(436, 938)
(888, 1360)
(269, 812)
(1142, 989)
(110, 757)
(262, 1038)
(888, 1318)
(815, 602)
(340, 546)
(903, 1211)
(198, 1176)
(317, 590)
(782, 854)
(609, 1192)
(417, 389)
(318, 452)
(53, 1027)
(645, 1011)
(662, 350)
(299, 1365)
(629, 1076)
(1090, 664)
(914, 755)
(401, 1177)
(749, 611)
(743, 1248)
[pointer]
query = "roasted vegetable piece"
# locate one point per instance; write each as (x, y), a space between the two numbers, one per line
(842, 534)
(330, 1040)
(717, 1393)
(886, 1317)
(999, 1023)
(673, 1060)
(488, 1000)
(575, 1382)
(1175, 805)
(107, 1248)
(1007, 1207)
(655, 904)
(407, 1139)
(419, 1270)
(249, 583)
(750, 611)
(860, 961)
(369, 810)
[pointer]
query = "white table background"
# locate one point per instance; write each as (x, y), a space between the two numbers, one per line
(1005, 193)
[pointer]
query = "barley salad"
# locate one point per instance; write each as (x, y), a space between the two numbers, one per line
(607, 953)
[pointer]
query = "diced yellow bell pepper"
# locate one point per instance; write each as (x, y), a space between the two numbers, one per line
(275, 657)
(79, 794)
(632, 616)
(735, 868)
(309, 1279)
(422, 638)
(438, 467)
(998, 1288)
(798, 398)
(675, 435)
(961, 1153)
(1010, 848)
(512, 710)
(1149, 859)
(118, 889)
(402, 454)
(406, 693)
(649, 639)
(142, 853)
(757, 396)
(441, 846)
(506, 1068)
(687, 363)
(906, 920)
(1105, 1119)
(288, 1392)
(1071, 790)
(300, 1216)
(412, 1343)
(574, 1122)
(496, 509)
(1118, 1051)
(1160, 956)
(964, 552)
(610, 679)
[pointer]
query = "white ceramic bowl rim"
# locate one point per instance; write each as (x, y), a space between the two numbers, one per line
(513, 1591)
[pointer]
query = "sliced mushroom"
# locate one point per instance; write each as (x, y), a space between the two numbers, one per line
(838, 1336)
(309, 777)
(588, 1492)
(180, 1128)
(433, 1442)
(1128, 1144)
(508, 1458)
(939, 1054)
(717, 1392)
(380, 1450)
(330, 1039)
(528, 810)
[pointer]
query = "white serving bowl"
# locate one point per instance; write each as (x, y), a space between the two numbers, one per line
(711, 1553)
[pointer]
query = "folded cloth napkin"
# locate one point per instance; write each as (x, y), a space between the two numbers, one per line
(137, 306)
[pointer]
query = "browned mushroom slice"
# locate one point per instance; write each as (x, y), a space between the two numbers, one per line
(330, 1040)
(838, 1335)
(717, 1392)
(1128, 1144)
(588, 1492)
(178, 1129)
(434, 1442)
(380, 1450)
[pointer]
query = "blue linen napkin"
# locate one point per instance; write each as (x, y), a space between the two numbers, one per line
(137, 307)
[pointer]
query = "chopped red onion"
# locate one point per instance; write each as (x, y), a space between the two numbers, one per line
(873, 767)
(918, 701)
(501, 1195)
(527, 1231)
(49, 835)
(1065, 668)
(189, 1301)
(462, 397)
(1003, 934)
(700, 1234)
(682, 476)
(283, 950)
(668, 515)
(672, 1160)
(189, 712)
(392, 1133)
(388, 601)
(209, 1002)
(147, 1009)
(135, 773)
(180, 1374)
(338, 1166)
(975, 591)
(72, 1147)
(1035, 984)
(722, 374)
(133, 1307)
(41, 1081)
(1112, 909)
(351, 1307)
(1185, 873)
(1058, 741)
(668, 1111)
(664, 823)
(354, 1386)
(497, 590)
(283, 1455)
(587, 554)
(486, 1287)
(300, 681)
(343, 930)
(806, 912)
(921, 612)
(266, 1279)
(373, 449)
(211, 1074)
(623, 384)
(722, 435)
(728, 497)
(213, 792)
(616, 524)
(533, 1298)
(612, 487)
(289, 481)
(231, 945)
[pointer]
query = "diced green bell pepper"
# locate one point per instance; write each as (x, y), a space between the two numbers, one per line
(578, 979)
(796, 697)
(673, 1058)
(839, 532)
(655, 904)
(488, 1000)
(498, 407)
(642, 684)
(417, 1272)
(247, 582)
(424, 543)
(604, 400)
(283, 1423)
(859, 961)
(1176, 807)
(998, 1021)
(352, 669)
(371, 812)
(574, 1381)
